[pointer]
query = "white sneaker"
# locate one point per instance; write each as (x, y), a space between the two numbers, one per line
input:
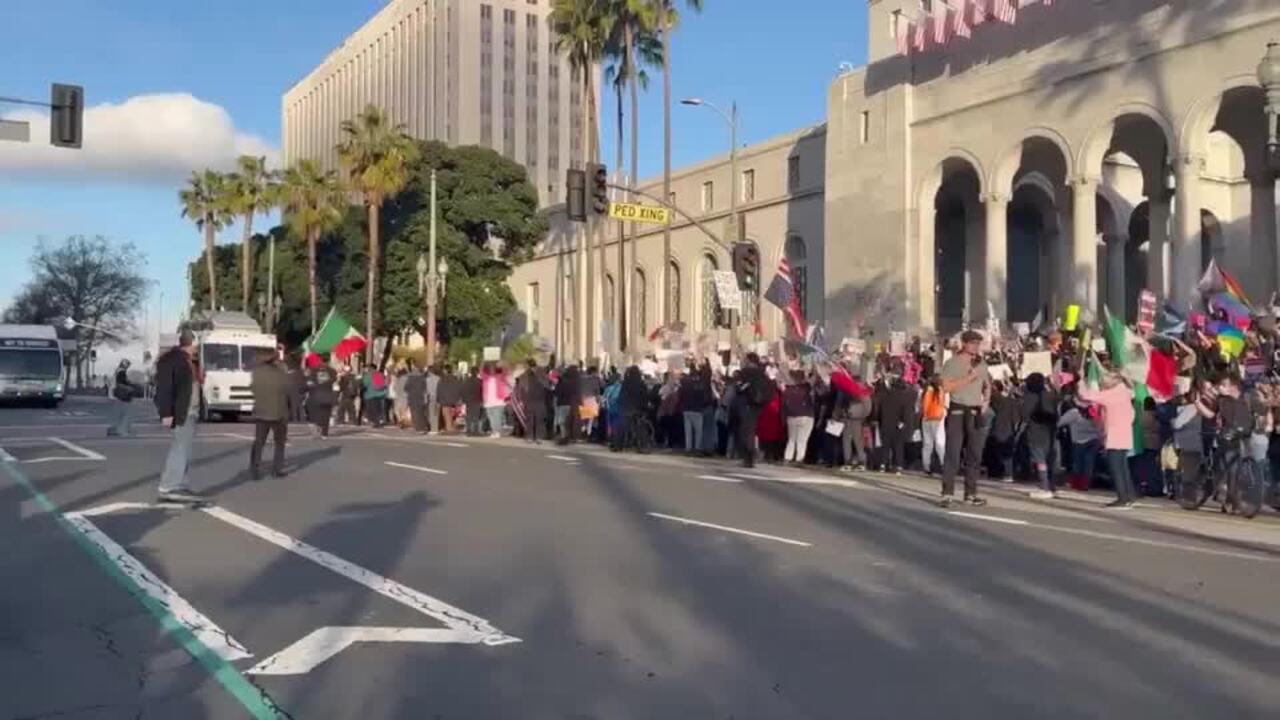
(1041, 495)
(494, 434)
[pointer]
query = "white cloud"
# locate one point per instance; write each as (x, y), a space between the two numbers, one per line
(145, 139)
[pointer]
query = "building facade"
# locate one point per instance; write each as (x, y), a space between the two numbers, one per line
(464, 72)
(780, 198)
(1079, 154)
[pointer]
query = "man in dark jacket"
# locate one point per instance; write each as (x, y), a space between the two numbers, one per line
(296, 389)
(752, 393)
(272, 388)
(415, 390)
(533, 387)
(450, 390)
(320, 394)
(473, 398)
(897, 405)
(348, 391)
(178, 403)
(568, 398)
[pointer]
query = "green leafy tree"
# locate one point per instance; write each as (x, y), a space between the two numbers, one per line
(204, 201)
(377, 155)
(250, 190)
(314, 202)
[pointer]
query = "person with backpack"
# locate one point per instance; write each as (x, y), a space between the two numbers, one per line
(1039, 409)
(752, 393)
(124, 392)
(374, 383)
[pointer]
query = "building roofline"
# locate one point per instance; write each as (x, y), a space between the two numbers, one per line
(747, 151)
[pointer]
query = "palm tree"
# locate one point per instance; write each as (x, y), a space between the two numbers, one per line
(314, 201)
(668, 15)
(582, 31)
(377, 155)
(251, 190)
(204, 201)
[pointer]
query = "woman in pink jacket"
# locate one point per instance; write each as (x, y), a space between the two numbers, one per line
(1116, 400)
(494, 390)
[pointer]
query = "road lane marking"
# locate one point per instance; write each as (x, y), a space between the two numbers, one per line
(86, 453)
(254, 699)
(750, 476)
(419, 468)
(452, 617)
(989, 518)
(6, 457)
(323, 643)
(205, 630)
(563, 457)
(719, 478)
(804, 480)
(726, 528)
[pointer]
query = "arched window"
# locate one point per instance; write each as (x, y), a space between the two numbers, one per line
(709, 314)
(673, 282)
(640, 308)
(797, 258)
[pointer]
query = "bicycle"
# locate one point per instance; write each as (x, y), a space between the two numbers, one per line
(1235, 479)
(639, 434)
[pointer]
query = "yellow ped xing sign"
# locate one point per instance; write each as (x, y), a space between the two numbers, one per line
(640, 213)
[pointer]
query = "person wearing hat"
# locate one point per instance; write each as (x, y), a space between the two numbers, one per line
(178, 404)
(966, 379)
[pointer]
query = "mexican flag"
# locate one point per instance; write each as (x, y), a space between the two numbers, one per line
(335, 337)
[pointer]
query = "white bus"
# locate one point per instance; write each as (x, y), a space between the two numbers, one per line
(227, 345)
(30, 365)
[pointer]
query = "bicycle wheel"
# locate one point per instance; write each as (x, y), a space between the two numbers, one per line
(1247, 490)
(1190, 493)
(644, 436)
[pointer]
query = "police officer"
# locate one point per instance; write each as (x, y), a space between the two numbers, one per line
(966, 379)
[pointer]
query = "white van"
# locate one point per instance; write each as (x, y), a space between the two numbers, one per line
(30, 364)
(227, 345)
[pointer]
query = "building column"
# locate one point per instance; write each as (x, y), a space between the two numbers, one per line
(1184, 236)
(1158, 245)
(1116, 275)
(1084, 241)
(1262, 222)
(996, 255)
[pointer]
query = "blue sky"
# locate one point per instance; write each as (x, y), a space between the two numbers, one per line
(211, 75)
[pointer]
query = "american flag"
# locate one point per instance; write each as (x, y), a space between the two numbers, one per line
(1006, 11)
(940, 25)
(921, 38)
(960, 24)
(903, 36)
(978, 11)
(782, 293)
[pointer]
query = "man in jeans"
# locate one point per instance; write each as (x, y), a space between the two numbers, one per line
(178, 403)
(272, 408)
(966, 379)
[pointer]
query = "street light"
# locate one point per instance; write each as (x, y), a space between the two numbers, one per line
(1269, 78)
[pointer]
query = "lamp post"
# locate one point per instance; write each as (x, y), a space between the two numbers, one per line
(1269, 79)
(431, 278)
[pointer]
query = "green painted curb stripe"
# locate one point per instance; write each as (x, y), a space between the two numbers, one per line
(254, 699)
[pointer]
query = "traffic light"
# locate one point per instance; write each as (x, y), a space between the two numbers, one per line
(576, 203)
(746, 266)
(66, 122)
(599, 188)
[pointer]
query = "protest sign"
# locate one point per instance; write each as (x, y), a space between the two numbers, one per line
(1037, 362)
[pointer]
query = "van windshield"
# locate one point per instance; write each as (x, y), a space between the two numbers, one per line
(215, 356)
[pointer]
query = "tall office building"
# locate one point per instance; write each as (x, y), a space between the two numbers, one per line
(464, 72)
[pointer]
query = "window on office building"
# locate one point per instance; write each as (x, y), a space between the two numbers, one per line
(864, 126)
(748, 185)
(708, 196)
(793, 173)
(486, 75)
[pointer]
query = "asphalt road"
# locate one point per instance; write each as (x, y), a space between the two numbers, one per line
(399, 577)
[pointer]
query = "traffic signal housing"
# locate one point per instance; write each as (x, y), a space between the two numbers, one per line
(746, 266)
(576, 202)
(66, 122)
(599, 178)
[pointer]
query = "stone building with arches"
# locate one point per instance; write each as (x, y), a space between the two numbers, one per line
(1089, 151)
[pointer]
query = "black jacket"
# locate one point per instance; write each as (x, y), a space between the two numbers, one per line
(320, 386)
(415, 389)
(569, 388)
(473, 391)
(695, 394)
(753, 388)
(122, 381)
(175, 381)
(897, 405)
(450, 390)
(533, 387)
(272, 386)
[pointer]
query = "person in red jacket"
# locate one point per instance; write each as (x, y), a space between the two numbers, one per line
(770, 430)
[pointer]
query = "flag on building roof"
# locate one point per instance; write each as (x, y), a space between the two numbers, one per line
(1006, 11)
(978, 11)
(335, 337)
(903, 35)
(782, 293)
(961, 19)
(920, 33)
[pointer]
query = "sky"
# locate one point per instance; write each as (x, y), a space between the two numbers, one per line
(175, 86)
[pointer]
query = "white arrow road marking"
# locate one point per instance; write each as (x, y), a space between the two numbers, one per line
(726, 528)
(86, 453)
(419, 468)
(323, 643)
(213, 637)
(452, 617)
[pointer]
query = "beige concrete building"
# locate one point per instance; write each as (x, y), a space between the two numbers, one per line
(1089, 150)
(780, 198)
(465, 72)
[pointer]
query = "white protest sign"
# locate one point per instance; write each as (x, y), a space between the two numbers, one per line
(1022, 329)
(999, 372)
(492, 353)
(727, 291)
(897, 342)
(1037, 362)
(1098, 345)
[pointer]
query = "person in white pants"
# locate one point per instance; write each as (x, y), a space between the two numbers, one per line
(933, 411)
(797, 408)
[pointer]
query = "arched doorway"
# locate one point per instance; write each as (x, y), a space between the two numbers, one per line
(957, 279)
